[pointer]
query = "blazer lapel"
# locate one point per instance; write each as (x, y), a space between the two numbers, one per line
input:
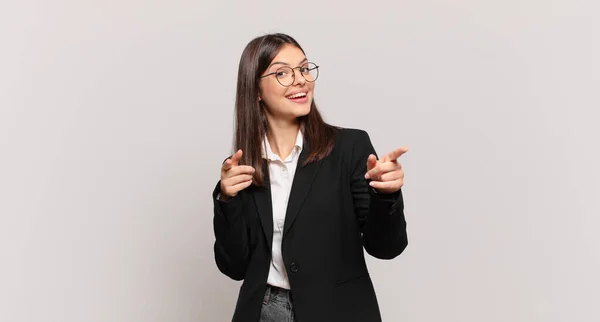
(264, 205)
(303, 179)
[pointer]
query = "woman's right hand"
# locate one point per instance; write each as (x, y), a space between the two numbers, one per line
(234, 177)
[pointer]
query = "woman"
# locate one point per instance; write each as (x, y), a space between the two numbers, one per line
(300, 199)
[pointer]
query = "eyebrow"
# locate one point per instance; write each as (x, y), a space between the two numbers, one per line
(284, 63)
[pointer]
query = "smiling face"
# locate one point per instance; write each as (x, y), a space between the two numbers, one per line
(286, 103)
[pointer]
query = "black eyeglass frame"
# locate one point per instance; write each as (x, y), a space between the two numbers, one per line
(294, 74)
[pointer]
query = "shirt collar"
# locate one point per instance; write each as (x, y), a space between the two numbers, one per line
(268, 153)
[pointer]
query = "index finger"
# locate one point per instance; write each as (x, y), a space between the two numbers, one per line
(392, 156)
(235, 159)
(232, 161)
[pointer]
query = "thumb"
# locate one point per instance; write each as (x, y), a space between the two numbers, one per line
(371, 162)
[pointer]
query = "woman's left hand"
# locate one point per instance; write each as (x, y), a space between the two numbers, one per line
(386, 174)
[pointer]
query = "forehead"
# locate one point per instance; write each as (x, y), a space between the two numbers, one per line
(290, 55)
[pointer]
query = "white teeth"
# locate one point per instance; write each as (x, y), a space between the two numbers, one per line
(297, 95)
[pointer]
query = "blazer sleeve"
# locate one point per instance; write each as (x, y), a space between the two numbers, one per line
(231, 235)
(381, 216)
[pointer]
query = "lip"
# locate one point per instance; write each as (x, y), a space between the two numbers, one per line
(301, 100)
(296, 92)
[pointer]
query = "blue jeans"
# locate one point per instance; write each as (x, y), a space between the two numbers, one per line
(277, 306)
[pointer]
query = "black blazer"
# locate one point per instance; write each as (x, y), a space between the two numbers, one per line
(332, 214)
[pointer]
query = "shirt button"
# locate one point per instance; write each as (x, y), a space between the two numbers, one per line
(294, 267)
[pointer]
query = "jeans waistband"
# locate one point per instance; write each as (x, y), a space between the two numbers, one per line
(274, 291)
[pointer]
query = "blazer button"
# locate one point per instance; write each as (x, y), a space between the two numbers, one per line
(294, 267)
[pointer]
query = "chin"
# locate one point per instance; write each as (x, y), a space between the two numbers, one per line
(303, 110)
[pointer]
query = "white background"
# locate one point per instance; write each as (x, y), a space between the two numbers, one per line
(116, 115)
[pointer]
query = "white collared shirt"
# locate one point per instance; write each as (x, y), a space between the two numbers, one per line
(281, 176)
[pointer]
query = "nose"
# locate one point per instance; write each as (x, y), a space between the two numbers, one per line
(298, 77)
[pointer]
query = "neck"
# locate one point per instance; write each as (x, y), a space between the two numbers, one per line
(282, 137)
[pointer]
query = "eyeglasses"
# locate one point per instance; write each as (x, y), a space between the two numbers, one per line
(286, 75)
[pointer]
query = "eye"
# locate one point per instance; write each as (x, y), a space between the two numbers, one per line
(281, 73)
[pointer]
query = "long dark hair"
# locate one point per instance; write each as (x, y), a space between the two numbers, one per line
(250, 118)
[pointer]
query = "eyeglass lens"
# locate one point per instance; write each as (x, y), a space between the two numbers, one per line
(286, 75)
